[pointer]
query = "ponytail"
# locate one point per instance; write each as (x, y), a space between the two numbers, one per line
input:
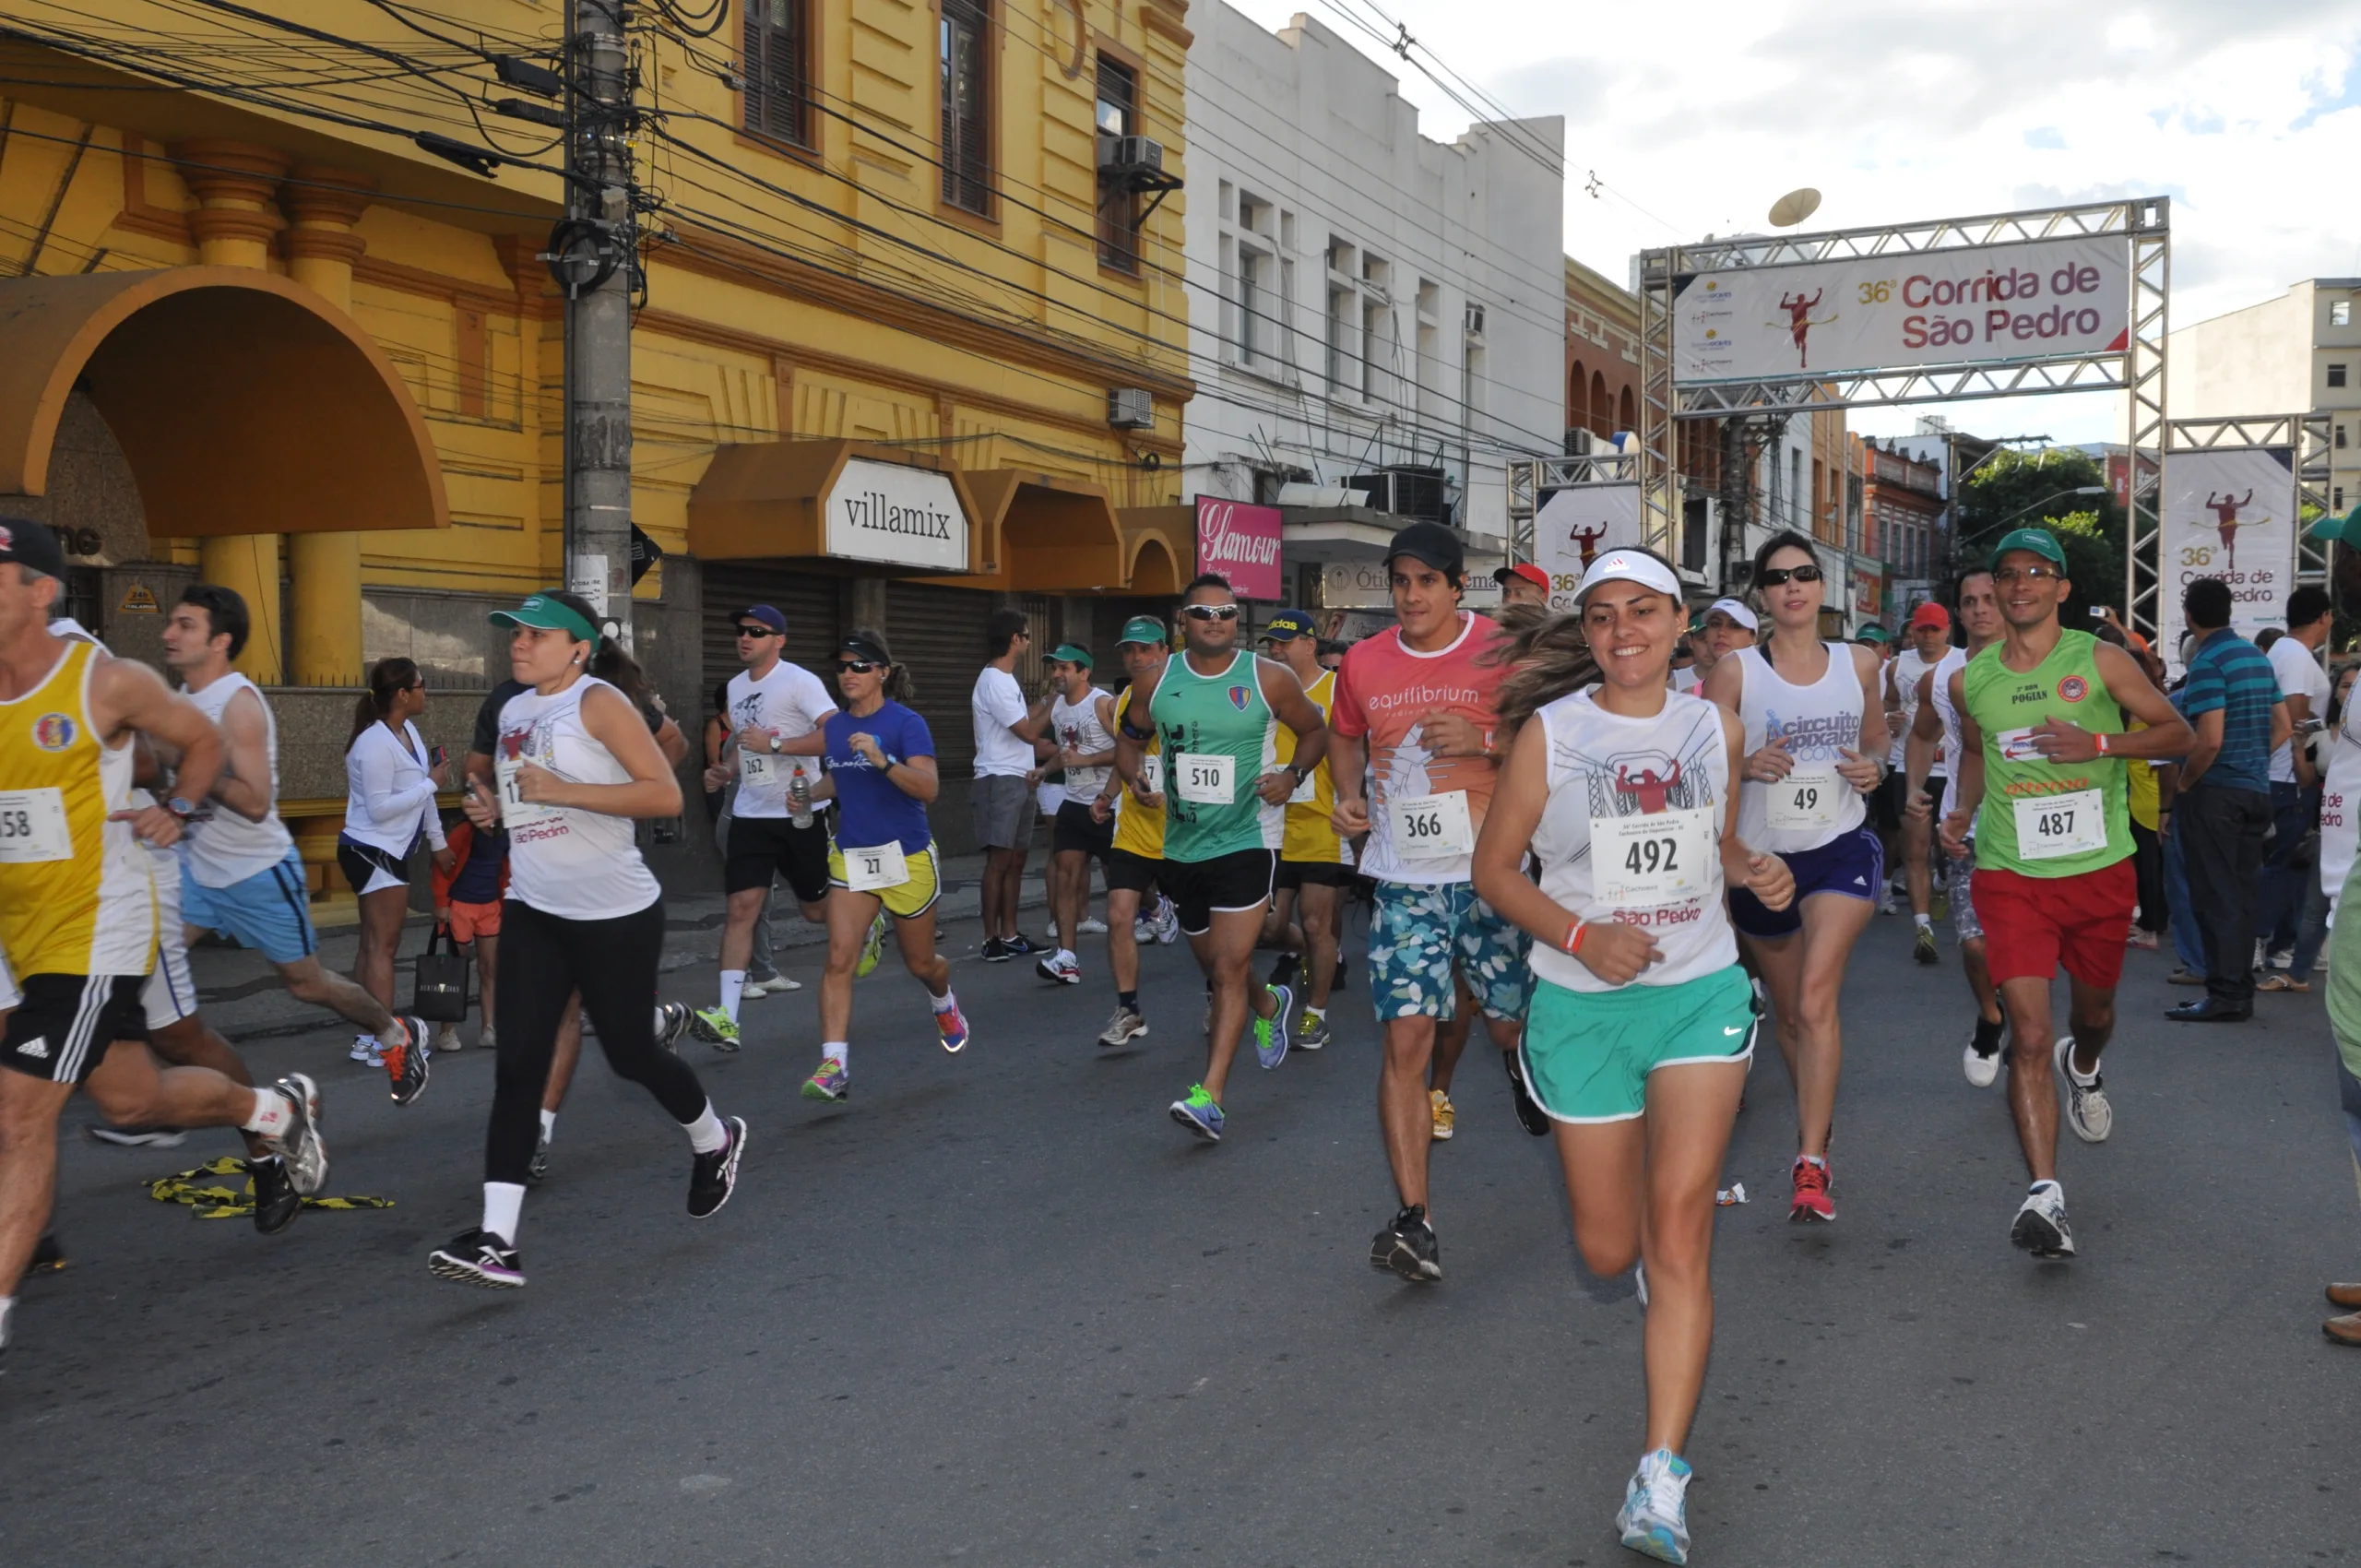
(388, 678)
(1546, 661)
(897, 685)
(613, 664)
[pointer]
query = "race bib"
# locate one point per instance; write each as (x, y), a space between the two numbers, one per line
(1642, 863)
(2053, 826)
(1305, 791)
(756, 769)
(1152, 775)
(874, 871)
(516, 811)
(1431, 827)
(1207, 779)
(1806, 798)
(32, 827)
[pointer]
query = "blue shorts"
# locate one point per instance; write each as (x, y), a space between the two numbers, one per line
(269, 912)
(1851, 864)
(1420, 931)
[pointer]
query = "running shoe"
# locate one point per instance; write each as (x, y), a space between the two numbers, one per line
(768, 985)
(1143, 930)
(1981, 1059)
(1811, 1202)
(447, 1038)
(1654, 1519)
(146, 1135)
(1091, 925)
(871, 947)
(1022, 946)
(1271, 1033)
(952, 1027)
(1337, 982)
(1283, 969)
(1529, 1114)
(2145, 941)
(1407, 1247)
(1312, 1034)
(366, 1051)
(716, 1025)
(1922, 948)
(277, 1203)
(1443, 1114)
(996, 951)
(1057, 967)
(2040, 1227)
(538, 1171)
(1199, 1114)
(406, 1061)
(831, 1082)
(49, 1255)
(713, 1177)
(299, 1145)
(1168, 922)
(478, 1257)
(2087, 1109)
(1123, 1027)
(672, 1020)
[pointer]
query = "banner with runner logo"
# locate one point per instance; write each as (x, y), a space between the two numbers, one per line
(1575, 525)
(2228, 512)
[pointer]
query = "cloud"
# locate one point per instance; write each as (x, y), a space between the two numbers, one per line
(2046, 137)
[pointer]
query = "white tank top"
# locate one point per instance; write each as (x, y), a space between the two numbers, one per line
(1078, 729)
(1631, 832)
(1951, 664)
(226, 849)
(1821, 722)
(1906, 669)
(578, 865)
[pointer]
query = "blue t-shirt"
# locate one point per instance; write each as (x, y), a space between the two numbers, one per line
(870, 809)
(2231, 673)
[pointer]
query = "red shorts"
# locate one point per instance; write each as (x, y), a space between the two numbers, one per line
(471, 921)
(2033, 925)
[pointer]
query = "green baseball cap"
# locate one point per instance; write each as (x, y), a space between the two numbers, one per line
(2041, 542)
(1145, 629)
(1066, 653)
(1872, 632)
(549, 611)
(2344, 531)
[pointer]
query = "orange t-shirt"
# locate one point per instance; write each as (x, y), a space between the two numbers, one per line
(1384, 693)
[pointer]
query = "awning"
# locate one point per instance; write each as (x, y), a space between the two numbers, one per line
(844, 500)
(244, 402)
(1043, 533)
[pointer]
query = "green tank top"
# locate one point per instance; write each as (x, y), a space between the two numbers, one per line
(2037, 817)
(1222, 722)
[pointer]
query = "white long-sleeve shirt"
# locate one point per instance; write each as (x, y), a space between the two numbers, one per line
(389, 799)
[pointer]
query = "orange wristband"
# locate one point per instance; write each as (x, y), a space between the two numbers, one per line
(1573, 942)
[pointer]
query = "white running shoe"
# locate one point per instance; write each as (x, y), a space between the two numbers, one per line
(366, 1051)
(2040, 1227)
(1982, 1071)
(1091, 925)
(765, 987)
(1653, 1520)
(1168, 922)
(2087, 1109)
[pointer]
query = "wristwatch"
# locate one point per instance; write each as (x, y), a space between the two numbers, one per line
(773, 745)
(1299, 771)
(180, 808)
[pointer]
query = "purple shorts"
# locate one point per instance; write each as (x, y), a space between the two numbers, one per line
(1851, 863)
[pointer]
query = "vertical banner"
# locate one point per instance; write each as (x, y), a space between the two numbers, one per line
(1242, 541)
(2228, 514)
(1578, 522)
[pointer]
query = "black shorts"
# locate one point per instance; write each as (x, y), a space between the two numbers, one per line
(1240, 880)
(762, 846)
(1294, 875)
(1127, 873)
(1076, 831)
(370, 869)
(1893, 797)
(60, 1030)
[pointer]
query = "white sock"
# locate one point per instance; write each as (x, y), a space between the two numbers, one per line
(733, 986)
(837, 1050)
(549, 1126)
(1923, 919)
(944, 1002)
(273, 1111)
(1819, 1160)
(706, 1134)
(1309, 1012)
(8, 1309)
(504, 1205)
(1066, 954)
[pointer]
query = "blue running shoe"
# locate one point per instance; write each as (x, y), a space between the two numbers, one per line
(1655, 1516)
(1199, 1114)
(1271, 1033)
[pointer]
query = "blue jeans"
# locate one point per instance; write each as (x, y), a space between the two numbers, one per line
(2187, 945)
(2294, 809)
(2311, 927)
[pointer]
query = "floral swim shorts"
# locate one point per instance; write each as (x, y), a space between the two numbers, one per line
(1421, 929)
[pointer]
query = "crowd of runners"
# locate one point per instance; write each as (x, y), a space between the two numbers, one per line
(1625, 843)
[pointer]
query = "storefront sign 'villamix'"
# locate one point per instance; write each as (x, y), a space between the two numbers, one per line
(901, 516)
(1241, 543)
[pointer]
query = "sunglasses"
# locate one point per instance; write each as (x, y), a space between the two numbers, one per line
(1775, 575)
(1210, 611)
(758, 632)
(858, 665)
(2027, 574)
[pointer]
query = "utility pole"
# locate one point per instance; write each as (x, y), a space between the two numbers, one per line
(594, 255)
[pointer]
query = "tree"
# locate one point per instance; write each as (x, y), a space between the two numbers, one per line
(2017, 490)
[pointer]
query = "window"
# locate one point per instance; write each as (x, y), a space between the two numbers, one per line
(1258, 336)
(778, 101)
(1119, 221)
(2336, 499)
(2340, 313)
(967, 107)
(2340, 435)
(2336, 375)
(1340, 340)
(1373, 349)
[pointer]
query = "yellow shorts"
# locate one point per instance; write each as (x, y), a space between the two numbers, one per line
(910, 900)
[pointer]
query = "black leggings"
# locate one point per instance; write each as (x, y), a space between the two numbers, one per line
(543, 960)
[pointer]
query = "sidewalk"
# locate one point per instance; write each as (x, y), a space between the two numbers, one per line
(241, 995)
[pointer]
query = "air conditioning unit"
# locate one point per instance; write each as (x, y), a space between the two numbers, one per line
(1131, 408)
(1475, 320)
(1130, 157)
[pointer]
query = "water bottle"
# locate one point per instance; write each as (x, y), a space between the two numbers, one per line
(798, 800)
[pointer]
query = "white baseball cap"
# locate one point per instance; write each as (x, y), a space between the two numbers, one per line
(1737, 613)
(1628, 565)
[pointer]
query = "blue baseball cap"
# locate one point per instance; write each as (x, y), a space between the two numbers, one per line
(763, 614)
(1289, 624)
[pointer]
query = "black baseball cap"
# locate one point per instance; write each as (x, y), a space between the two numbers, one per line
(30, 543)
(861, 646)
(1433, 544)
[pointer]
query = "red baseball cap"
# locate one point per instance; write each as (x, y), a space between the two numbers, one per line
(1933, 615)
(1528, 571)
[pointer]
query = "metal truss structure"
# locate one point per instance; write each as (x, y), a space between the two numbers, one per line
(2307, 435)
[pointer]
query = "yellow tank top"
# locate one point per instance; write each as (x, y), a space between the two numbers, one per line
(1311, 830)
(1138, 831)
(76, 894)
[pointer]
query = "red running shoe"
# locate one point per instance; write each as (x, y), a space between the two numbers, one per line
(1811, 1192)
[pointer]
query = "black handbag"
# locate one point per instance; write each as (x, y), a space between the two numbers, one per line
(439, 994)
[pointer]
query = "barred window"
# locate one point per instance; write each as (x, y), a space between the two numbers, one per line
(967, 106)
(778, 70)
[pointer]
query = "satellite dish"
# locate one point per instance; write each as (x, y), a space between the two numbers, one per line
(1794, 207)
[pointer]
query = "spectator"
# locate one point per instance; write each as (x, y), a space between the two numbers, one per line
(2295, 785)
(1332, 653)
(390, 783)
(2324, 863)
(2224, 799)
(467, 905)
(1002, 801)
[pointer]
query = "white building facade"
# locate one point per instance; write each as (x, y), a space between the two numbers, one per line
(2293, 354)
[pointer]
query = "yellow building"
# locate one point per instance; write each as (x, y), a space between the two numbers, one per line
(249, 329)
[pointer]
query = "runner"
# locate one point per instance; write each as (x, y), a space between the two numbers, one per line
(1934, 731)
(1214, 712)
(1315, 861)
(881, 772)
(1414, 714)
(1082, 723)
(779, 708)
(1728, 626)
(1905, 685)
(1523, 583)
(1136, 860)
(575, 766)
(78, 906)
(1816, 742)
(240, 870)
(1642, 1022)
(2042, 728)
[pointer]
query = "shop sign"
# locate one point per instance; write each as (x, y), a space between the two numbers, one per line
(1864, 593)
(1241, 543)
(137, 600)
(897, 517)
(1365, 583)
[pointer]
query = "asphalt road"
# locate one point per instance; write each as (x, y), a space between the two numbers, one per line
(999, 1309)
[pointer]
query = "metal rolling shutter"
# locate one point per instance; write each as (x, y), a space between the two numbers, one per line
(806, 599)
(939, 634)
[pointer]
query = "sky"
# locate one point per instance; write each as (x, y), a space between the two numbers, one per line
(1694, 121)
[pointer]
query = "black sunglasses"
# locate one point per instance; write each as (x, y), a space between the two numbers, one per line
(1775, 575)
(1210, 611)
(857, 666)
(759, 632)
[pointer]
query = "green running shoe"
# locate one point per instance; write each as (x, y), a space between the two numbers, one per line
(1199, 1114)
(831, 1082)
(716, 1025)
(871, 948)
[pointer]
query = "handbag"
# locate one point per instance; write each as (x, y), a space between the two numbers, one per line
(439, 993)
